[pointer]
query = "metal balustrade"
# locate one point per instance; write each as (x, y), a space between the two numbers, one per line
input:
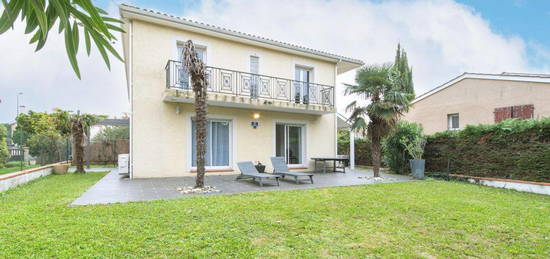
(255, 86)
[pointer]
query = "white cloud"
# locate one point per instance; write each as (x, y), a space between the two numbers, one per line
(443, 39)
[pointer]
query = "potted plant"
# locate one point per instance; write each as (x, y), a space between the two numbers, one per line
(415, 147)
(260, 167)
(61, 168)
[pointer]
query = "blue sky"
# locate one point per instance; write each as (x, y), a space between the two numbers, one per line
(529, 19)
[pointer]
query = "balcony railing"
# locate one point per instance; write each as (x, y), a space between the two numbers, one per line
(255, 86)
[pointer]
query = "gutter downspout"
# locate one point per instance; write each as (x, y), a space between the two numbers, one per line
(131, 95)
(335, 108)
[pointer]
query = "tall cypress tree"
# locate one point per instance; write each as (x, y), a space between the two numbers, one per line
(401, 65)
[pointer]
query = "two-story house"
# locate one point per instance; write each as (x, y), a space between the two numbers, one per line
(266, 98)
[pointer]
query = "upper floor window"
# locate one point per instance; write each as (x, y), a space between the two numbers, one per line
(201, 52)
(452, 121)
(302, 85)
(182, 77)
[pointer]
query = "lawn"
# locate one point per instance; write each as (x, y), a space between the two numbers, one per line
(413, 219)
(7, 170)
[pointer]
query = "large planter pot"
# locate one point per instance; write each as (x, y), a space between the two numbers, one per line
(60, 168)
(417, 168)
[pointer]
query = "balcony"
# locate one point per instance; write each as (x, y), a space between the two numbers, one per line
(233, 88)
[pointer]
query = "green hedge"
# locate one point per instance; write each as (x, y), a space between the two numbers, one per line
(362, 148)
(512, 149)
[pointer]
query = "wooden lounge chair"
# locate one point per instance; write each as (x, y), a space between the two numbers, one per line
(280, 168)
(248, 170)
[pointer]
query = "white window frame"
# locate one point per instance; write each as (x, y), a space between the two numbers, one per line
(307, 66)
(304, 126)
(232, 145)
(450, 121)
(198, 44)
(304, 66)
(250, 63)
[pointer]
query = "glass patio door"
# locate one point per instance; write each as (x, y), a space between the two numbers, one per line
(288, 143)
(301, 86)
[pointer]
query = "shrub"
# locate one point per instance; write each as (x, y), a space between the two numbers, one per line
(395, 155)
(513, 149)
(49, 147)
(112, 133)
(4, 154)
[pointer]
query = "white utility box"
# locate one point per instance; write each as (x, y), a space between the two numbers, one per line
(123, 164)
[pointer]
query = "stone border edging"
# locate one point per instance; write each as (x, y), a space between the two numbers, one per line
(499, 179)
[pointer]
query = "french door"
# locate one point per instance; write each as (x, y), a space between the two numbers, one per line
(289, 143)
(302, 77)
(254, 80)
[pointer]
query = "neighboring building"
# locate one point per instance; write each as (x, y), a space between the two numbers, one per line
(266, 98)
(473, 98)
(98, 127)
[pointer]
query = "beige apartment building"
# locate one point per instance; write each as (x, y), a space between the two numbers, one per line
(473, 98)
(266, 98)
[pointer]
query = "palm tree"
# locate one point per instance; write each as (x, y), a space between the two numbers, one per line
(196, 69)
(79, 141)
(79, 124)
(73, 18)
(383, 85)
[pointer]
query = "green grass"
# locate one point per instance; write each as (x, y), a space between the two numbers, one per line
(7, 170)
(414, 219)
(99, 166)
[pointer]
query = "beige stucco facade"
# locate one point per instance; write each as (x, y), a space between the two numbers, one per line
(475, 100)
(161, 119)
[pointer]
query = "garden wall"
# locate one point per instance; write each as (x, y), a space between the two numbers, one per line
(511, 150)
(11, 180)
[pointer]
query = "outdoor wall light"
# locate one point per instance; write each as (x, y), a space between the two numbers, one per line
(254, 124)
(178, 109)
(256, 115)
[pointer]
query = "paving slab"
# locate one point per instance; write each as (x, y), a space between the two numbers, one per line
(114, 188)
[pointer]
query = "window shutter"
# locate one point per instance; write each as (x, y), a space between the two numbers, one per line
(520, 112)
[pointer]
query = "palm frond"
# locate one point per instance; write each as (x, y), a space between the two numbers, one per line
(40, 16)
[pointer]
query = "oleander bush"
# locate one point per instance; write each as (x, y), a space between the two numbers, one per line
(394, 152)
(511, 149)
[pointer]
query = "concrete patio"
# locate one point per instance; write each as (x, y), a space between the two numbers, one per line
(114, 189)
